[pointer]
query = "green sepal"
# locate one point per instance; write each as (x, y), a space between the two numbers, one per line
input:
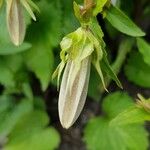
(107, 68)
(99, 6)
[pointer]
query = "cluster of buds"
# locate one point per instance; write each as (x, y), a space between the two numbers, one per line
(79, 50)
(15, 18)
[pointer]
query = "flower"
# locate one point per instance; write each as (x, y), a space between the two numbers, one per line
(73, 95)
(79, 49)
(15, 18)
(15, 21)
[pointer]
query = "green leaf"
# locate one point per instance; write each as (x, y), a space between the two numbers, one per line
(144, 49)
(8, 49)
(29, 132)
(9, 66)
(138, 113)
(50, 141)
(122, 23)
(137, 71)
(39, 59)
(115, 103)
(48, 28)
(12, 114)
(99, 135)
(131, 115)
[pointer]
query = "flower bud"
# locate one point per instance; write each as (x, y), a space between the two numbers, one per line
(15, 21)
(72, 97)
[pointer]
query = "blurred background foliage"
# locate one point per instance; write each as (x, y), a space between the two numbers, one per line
(28, 100)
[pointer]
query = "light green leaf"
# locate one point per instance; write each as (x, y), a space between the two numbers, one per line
(138, 113)
(130, 116)
(12, 114)
(47, 139)
(99, 135)
(144, 49)
(8, 49)
(29, 132)
(137, 71)
(122, 23)
(116, 103)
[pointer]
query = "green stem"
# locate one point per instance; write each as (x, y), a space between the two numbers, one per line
(124, 48)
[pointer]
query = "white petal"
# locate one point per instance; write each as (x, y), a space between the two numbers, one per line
(71, 102)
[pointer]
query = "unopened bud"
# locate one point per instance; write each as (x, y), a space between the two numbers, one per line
(72, 98)
(15, 21)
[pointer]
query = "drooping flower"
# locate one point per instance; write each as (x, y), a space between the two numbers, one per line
(79, 50)
(15, 18)
(15, 21)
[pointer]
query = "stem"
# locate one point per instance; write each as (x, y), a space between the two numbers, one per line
(124, 48)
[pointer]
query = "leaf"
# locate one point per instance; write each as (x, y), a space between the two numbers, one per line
(50, 140)
(99, 135)
(130, 116)
(11, 49)
(137, 71)
(11, 115)
(144, 49)
(39, 59)
(29, 132)
(49, 22)
(116, 103)
(138, 113)
(122, 23)
(8, 67)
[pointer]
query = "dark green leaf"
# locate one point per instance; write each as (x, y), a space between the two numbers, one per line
(122, 23)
